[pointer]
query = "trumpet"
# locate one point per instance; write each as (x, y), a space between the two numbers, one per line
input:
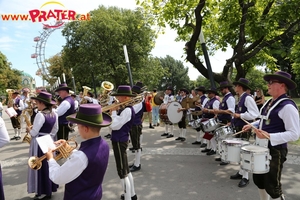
(85, 91)
(64, 150)
(139, 98)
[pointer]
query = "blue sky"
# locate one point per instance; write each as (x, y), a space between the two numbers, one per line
(16, 37)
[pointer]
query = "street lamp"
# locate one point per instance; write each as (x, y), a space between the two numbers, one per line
(73, 80)
(127, 65)
(206, 57)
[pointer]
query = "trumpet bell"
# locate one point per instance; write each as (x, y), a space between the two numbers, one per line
(34, 163)
(157, 97)
(107, 85)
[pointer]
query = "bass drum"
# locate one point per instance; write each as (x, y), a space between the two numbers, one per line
(168, 112)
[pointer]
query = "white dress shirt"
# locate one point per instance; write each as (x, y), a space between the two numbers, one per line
(230, 103)
(4, 137)
(119, 120)
(252, 110)
(63, 107)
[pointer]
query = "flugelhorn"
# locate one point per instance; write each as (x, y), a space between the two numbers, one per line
(84, 93)
(27, 137)
(64, 150)
(105, 96)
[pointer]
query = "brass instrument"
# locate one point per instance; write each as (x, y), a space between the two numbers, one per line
(105, 97)
(139, 98)
(10, 101)
(27, 137)
(64, 150)
(85, 92)
(157, 98)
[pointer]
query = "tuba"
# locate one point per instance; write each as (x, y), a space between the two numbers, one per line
(64, 150)
(84, 93)
(105, 97)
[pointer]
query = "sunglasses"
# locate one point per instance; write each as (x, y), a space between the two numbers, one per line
(270, 82)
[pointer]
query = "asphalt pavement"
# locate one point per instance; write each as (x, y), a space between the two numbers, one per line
(170, 170)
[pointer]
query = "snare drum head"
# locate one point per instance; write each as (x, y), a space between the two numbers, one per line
(254, 148)
(172, 113)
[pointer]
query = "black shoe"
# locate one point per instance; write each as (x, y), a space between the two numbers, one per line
(108, 135)
(131, 165)
(236, 176)
(182, 139)
(224, 163)
(243, 183)
(218, 159)
(211, 152)
(169, 136)
(179, 138)
(196, 142)
(131, 148)
(203, 145)
(18, 138)
(157, 124)
(164, 134)
(151, 126)
(43, 196)
(14, 138)
(132, 198)
(135, 168)
(205, 150)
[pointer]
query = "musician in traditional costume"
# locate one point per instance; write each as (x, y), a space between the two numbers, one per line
(212, 104)
(279, 122)
(121, 125)
(185, 106)
(226, 109)
(247, 110)
(84, 170)
(4, 139)
(46, 122)
(169, 97)
(65, 108)
(199, 105)
(18, 106)
(136, 131)
(90, 98)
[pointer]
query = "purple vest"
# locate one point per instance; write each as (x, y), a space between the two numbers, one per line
(274, 123)
(209, 105)
(122, 135)
(224, 106)
(62, 119)
(241, 108)
(138, 116)
(17, 101)
(88, 185)
(49, 123)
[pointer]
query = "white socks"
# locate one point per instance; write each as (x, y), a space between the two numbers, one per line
(183, 133)
(166, 128)
(213, 144)
(198, 136)
(172, 129)
(180, 132)
(127, 190)
(16, 132)
(137, 160)
(19, 132)
(131, 184)
(263, 194)
(141, 139)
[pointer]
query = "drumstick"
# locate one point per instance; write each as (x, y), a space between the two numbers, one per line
(238, 133)
(255, 128)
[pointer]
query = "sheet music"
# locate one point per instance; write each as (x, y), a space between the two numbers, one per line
(11, 112)
(45, 142)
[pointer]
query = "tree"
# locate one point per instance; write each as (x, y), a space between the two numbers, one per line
(96, 47)
(176, 75)
(9, 78)
(245, 27)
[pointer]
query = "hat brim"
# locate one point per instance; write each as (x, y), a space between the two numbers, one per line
(107, 120)
(242, 84)
(288, 82)
(124, 94)
(225, 86)
(63, 88)
(43, 100)
(199, 89)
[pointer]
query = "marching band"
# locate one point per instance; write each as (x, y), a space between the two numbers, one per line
(222, 127)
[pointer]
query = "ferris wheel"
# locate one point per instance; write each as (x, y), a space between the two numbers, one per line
(39, 54)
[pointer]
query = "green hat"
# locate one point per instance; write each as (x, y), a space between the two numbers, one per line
(45, 97)
(243, 82)
(90, 115)
(283, 77)
(124, 90)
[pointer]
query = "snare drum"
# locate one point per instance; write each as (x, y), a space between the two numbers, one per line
(210, 125)
(224, 132)
(168, 112)
(196, 123)
(230, 150)
(261, 142)
(255, 159)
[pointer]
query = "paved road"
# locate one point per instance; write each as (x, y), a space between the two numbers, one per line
(171, 170)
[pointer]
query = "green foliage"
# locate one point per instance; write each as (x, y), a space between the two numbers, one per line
(9, 78)
(176, 75)
(96, 46)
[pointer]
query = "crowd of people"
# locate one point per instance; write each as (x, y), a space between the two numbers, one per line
(276, 120)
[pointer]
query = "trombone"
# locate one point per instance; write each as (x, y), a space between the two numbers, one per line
(139, 98)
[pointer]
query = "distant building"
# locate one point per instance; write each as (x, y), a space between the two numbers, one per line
(28, 81)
